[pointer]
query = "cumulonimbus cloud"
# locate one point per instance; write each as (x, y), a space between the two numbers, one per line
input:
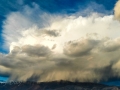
(43, 64)
(60, 47)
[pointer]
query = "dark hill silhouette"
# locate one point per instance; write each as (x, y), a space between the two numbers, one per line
(55, 85)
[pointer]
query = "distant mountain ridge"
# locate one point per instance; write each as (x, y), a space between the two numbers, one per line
(55, 85)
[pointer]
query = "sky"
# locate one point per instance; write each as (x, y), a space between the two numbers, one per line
(43, 40)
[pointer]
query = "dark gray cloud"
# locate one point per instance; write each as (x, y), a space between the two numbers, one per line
(52, 33)
(37, 50)
(79, 48)
(88, 56)
(110, 45)
(54, 46)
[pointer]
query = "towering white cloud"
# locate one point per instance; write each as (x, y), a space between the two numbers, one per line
(117, 10)
(47, 47)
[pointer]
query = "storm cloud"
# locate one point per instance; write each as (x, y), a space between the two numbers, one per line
(87, 56)
(48, 47)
